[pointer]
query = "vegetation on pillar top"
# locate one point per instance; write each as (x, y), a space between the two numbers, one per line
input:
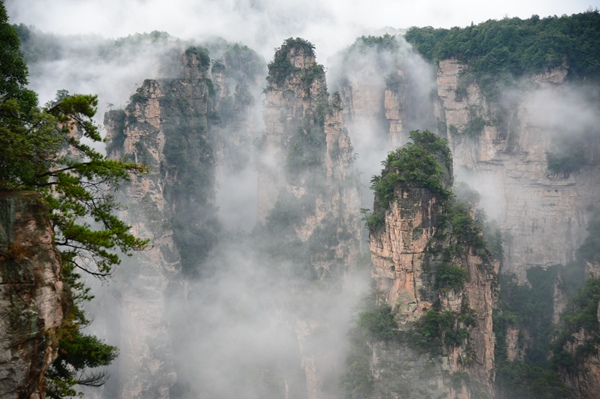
(201, 54)
(281, 67)
(424, 163)
(383, 43)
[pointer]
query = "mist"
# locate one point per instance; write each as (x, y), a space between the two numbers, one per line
(238, 328)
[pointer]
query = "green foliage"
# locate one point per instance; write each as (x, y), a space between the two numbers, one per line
(529, 307)
(474, 127)
(201, 54)
(357, 381)
(137, 98)
(442, 328)
(281, 67)
(77, 354)
(188, 154)
(41, 150)
(570, 159)
(581, 313)
(457, 221)
(515, 46)
(385, 43)
(306, 150)
(499, 52)
(424, 163)
(450, 277)
(524, 380)
(590, 249)
(379, 323)
(314, 71)
(12, 68)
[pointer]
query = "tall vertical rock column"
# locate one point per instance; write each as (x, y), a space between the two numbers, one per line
(164, 128)
(308, 189)
(413, 252)
(32, 297)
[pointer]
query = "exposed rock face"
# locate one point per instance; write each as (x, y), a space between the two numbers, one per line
(402, 269)
(190, 132)
(32, 297)
(543, 217)
(307, 135)
(502, 148)
(585, 381)
(164, 128)
(307, 168)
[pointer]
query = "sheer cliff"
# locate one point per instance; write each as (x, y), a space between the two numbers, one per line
(308, 206)
(435, 284)
(32, 295)
(257, 225)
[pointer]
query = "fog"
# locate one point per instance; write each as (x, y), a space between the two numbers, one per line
(239, 329)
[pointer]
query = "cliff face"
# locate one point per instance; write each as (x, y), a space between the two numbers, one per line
(197, 134)
(413, 254)
(502, 150)
(32, 297)
(164, 128)
(306, 172)
(584, 381)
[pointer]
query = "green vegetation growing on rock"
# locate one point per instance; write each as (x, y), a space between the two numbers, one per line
(515, 46)
(201, 54)
(528, 308)
(306, 150)
(424, 163)
(570, 157)
(41, 150)
(450, 277)
(497, 53)
(281, 67)
(379, 323)
(580, 314)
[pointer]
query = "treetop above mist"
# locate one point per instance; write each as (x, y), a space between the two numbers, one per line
(517, 46)
(281, 66)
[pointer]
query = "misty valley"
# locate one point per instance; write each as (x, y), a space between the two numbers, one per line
(417, 217)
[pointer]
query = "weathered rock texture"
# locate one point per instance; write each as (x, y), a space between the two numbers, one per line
(32, 296)
(307, 171)
(164, 128)
(404, 272)
(543, 217)
(584, 381)
(190, 132)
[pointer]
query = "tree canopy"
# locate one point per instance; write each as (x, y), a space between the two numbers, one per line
(518, 46)
(51, 150)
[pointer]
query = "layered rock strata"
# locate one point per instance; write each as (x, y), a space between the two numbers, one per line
(164, 128)
(543, 216)
(307, 169)
(33, 299)
(407, 264)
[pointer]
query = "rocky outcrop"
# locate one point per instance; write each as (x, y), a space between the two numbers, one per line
(164, 128)
(583, 380)
(502, 141)
(190, 132)
(308, 205)
(33, 299)
(404, 272)
(306, 134)
(502, 151)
